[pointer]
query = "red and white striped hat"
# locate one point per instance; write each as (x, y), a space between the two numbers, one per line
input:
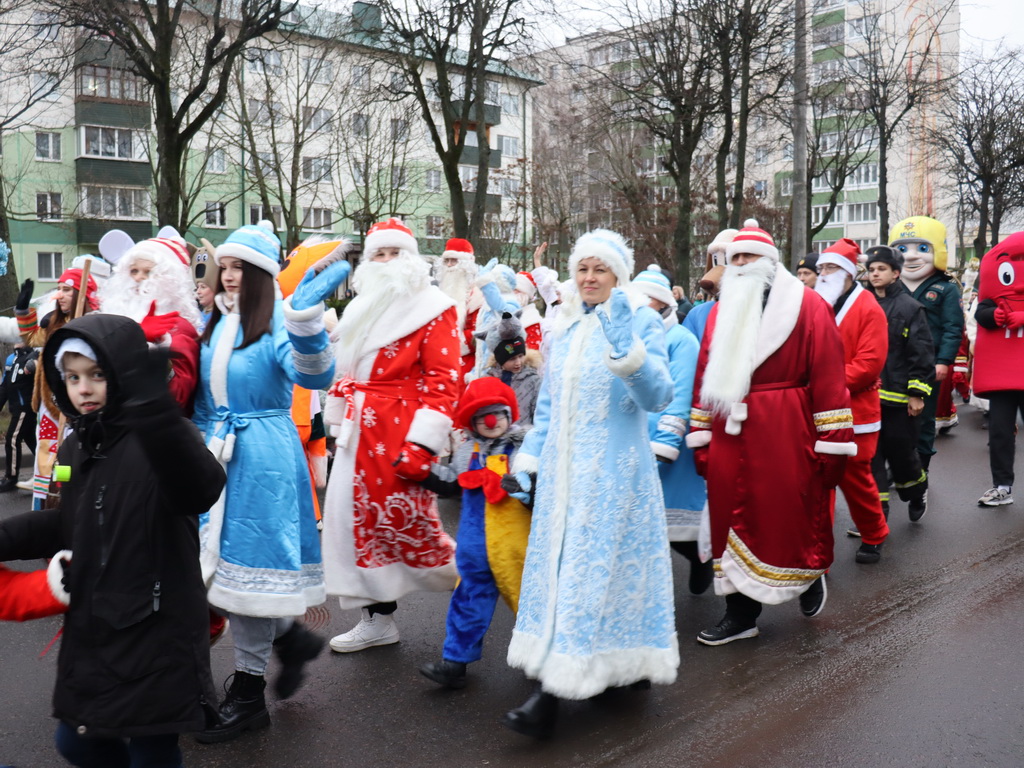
(157, 249)
(752, 239)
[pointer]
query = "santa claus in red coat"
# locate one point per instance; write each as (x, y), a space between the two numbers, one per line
(455, 273)
(526, 295)
(397, 350)
(772, 427)
(865, 333)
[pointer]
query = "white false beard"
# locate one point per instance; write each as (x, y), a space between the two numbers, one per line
(379, 286)
(733, 353)
(456, 282)
(169, 286)
(830, 287)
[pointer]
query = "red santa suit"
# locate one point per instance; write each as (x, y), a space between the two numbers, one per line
(526, 293)
(33, 595)
(399, 380)
(771, 527)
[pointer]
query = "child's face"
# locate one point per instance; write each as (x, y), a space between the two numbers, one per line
(86, 383)
(140, 270)
(65, 298)
(491, 425)
(514, 364)
(231, 274)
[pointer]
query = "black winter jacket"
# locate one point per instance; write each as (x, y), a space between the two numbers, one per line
(134, 658)
(910, 365)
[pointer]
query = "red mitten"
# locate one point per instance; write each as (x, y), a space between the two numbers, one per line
(700, 460)
(1001, 316)
(157, 326)
(1015, 320)
(831, 469)
(413, 463)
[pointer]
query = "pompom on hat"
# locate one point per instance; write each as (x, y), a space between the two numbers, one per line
(458, 248)
(389, 234)
(752, 239)
(653, 283)
(607, 247)
(485, 392)
(256, 244)
(843, 253)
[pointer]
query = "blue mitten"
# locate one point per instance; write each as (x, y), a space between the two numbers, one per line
(618, 324)
(485, 270)
(314, 288)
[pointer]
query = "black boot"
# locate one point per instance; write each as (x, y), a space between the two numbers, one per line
(450, 674)
(8, 484)
(295, 648)
(536, 717)
(243, 709)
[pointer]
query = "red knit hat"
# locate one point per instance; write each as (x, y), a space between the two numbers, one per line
(843, 253)
(752, 239)
(457, 248)
(481, 393)
(389, 234)
(73, 277)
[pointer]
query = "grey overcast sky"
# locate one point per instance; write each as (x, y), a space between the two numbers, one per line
(984, 22)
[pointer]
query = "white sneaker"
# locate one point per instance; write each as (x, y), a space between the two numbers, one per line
(995, 497)
(377, 629)
(25, 485)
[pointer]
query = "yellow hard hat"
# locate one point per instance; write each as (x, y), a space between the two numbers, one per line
(923, 228)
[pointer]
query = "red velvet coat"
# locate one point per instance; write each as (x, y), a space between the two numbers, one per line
(865, 334)
(25, 596)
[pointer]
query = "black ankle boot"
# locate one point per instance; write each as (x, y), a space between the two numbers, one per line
(536, 717)
(450, 674)
(243, 709)
(295, 648)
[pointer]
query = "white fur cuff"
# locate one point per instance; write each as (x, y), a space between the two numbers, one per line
(523, 462)
(430, 429)
(54, 574)
(630, 364)
(698, 439)
(835, 449)
(665, 451)
(303, 322)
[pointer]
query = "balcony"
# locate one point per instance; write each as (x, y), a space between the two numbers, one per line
(112, 114)
(492, 203)
(91, 230)
(105, 172)
(492, 113)
(471, 156)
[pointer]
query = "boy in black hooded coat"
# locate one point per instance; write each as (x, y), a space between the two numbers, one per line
(134, 665)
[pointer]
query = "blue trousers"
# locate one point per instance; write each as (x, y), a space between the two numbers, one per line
(159, 751)
(472, 606)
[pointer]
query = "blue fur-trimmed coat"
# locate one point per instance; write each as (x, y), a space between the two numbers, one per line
(596, 608)
(685, 492)
(266, 559)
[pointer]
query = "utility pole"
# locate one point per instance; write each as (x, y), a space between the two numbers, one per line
(801, 103)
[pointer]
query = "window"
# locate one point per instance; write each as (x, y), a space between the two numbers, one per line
(216, 161)
(760, 188)
(576, 96)
(49, 264)
(509, 146)
(107, 83)
(864, 28)
(117, 143)
(399, 129)
(397, 82)
(361, 171)
(509, 187)
(827, 71)
(47, 146)
(787, 151)
(318, 69)
(508, 231)
(314, 119)
(859, 213)
(261, 163)
(822, 245)
(786, 186)
(818, 213)
(45, 25)
(316, 169)
(471, 139)
(492, 93)
(433, 180)
(647, 166)
(45, 86)
(264, 61)
(398, 177)
(510, 104)
(360, 76)
(258, 214)
(823, 182)
(435, 226)
(361, 125)
(263, 112)
(827, 36)
(115, 203)
(216, 215)
(760, 155)
(865, 176)
(867, 243)
(468, 175)
(318, 219)
(823, 5)
(48, 206)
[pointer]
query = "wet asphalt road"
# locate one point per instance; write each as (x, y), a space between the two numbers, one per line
(914, 662)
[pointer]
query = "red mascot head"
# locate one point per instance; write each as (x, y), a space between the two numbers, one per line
(1002, 274)
(999, 352)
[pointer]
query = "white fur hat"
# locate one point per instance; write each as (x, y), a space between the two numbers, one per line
(605, 246)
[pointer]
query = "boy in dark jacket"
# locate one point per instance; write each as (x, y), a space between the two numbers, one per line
(134, 667)
(907, 379)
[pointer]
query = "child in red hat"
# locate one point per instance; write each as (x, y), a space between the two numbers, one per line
(493, 527)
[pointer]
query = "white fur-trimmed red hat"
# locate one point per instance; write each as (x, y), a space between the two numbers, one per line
(525, 284)
(157, 249)
(843, 253)
(752, 239)
(392, 233)
(458, 248)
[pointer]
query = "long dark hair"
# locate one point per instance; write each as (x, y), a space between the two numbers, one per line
(256, 298)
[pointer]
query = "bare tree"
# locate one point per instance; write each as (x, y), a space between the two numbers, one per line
(185, 51)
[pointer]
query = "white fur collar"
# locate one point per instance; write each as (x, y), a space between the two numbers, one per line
(785, 299)
(850, 301)
(572, 308)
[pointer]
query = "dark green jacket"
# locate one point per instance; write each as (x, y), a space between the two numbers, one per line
(940, 297)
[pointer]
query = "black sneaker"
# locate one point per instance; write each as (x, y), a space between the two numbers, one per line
(8, 484)
(916, 508)
(813, 600)
(727, 630)
(869, 554)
